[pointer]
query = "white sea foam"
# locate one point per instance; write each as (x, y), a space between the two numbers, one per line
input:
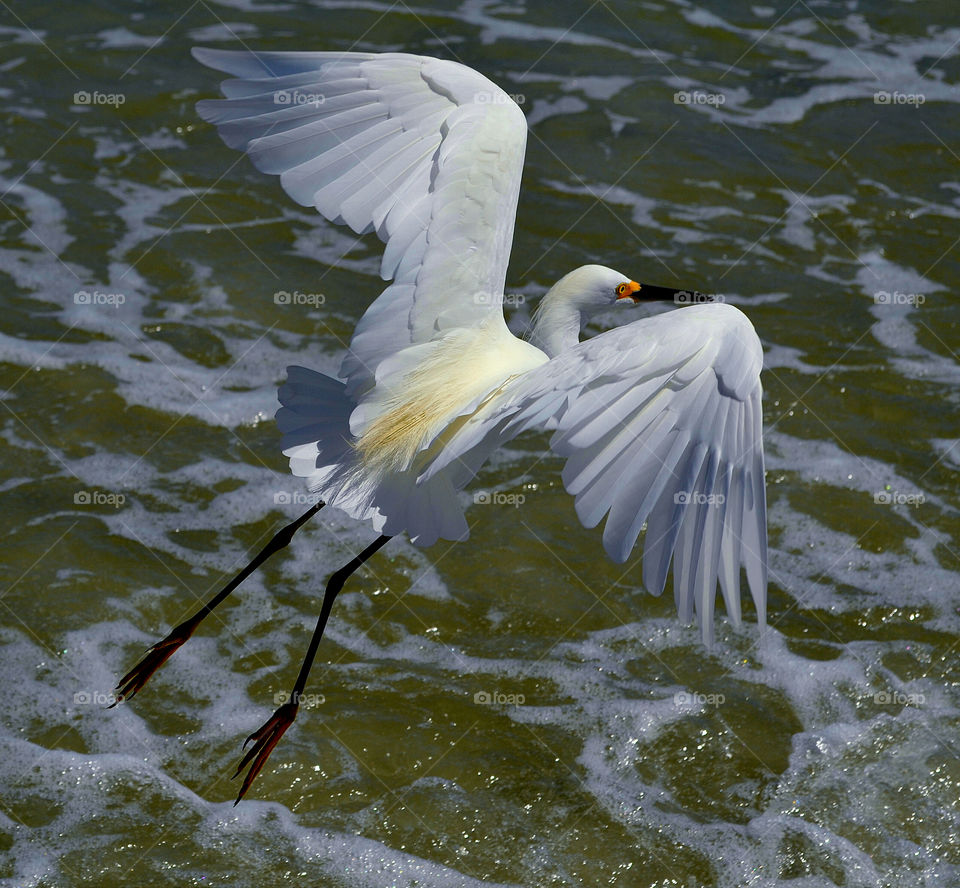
(850, 766)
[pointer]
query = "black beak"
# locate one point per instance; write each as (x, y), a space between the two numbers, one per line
(653, 293)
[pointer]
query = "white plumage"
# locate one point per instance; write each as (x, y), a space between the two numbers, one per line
(659, 420)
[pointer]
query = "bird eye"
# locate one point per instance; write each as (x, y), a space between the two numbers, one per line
(621, 289)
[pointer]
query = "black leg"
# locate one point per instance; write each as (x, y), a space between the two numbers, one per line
(157, 655)
(267, 737)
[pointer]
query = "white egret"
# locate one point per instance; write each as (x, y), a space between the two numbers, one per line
(659, 420)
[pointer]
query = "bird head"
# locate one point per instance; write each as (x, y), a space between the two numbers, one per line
(593, 288)
(570, 302)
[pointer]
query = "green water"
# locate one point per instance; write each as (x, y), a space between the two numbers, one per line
(832, 758)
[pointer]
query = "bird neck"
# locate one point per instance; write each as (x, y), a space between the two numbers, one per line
(556, 322)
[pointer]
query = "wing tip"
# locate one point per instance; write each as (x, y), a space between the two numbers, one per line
(211, 57)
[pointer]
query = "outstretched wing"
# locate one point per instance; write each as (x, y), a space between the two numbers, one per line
(660, 422)
(427, 153)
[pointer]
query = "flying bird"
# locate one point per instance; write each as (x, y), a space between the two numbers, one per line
(659, 420)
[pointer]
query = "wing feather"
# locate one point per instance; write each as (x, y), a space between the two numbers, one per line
(660, 424)
(427, 153)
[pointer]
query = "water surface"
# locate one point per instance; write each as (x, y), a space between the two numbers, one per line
(802, 160)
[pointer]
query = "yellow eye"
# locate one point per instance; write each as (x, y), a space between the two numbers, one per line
(621, 289)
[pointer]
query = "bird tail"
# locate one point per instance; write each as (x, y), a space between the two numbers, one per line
(315, 421)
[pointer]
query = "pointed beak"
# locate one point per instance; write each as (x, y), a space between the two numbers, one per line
(638, 293)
